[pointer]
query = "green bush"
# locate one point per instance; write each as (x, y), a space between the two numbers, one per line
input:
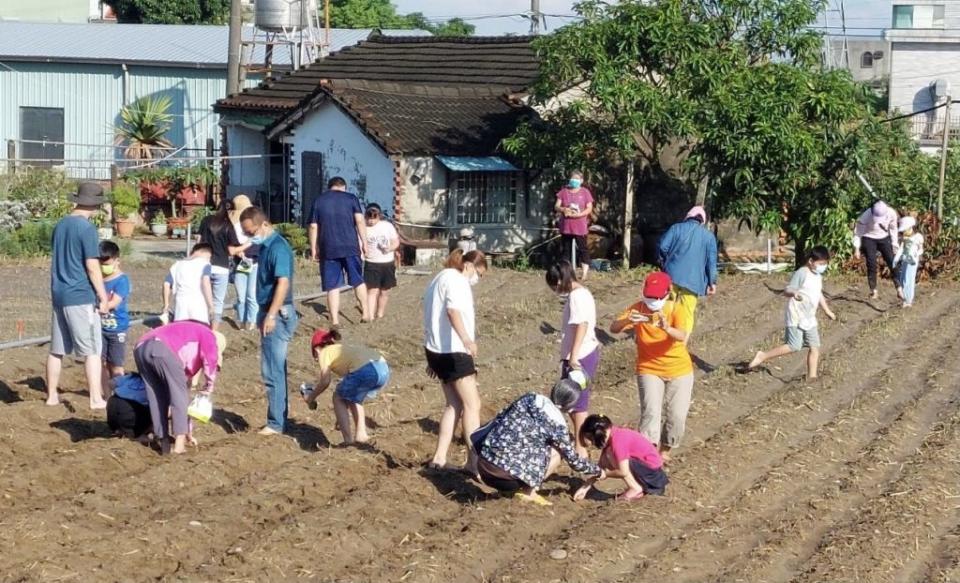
(30, 240)
(44, 192)
(125, 199)
(296, 236)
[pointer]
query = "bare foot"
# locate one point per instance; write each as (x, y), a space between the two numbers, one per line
(268, 431)
(95, 405)
(53, 400)
(874, 295)
(900, 293)
(364, 438)
(757, 360)
(665, 456)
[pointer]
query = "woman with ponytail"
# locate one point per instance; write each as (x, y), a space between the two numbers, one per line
(450, 345)
(625, 454)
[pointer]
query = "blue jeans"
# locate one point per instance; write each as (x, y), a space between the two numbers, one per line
(908, 281)
(273, 364)
(245, 284)
(219, 281)
(365, 382)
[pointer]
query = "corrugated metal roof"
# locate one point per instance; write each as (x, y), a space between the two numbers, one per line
(174, 45)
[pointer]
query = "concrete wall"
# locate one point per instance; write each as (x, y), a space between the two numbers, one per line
(914, 65)
(347, 152)
(856, 47)
(428, 210)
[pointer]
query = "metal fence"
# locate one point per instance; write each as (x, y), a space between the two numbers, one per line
(928, 129)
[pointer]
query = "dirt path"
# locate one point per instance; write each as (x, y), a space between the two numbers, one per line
(851, 478)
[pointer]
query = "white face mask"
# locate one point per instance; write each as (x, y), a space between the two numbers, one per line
(474, 279)
(821, 269)
(655, 305)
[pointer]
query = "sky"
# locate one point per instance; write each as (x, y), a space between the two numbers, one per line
(493, 17)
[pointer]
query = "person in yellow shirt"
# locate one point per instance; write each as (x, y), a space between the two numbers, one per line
(664, 367)
(362, 371)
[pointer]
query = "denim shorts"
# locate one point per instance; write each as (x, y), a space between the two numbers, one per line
(797, 338)
(365, 382)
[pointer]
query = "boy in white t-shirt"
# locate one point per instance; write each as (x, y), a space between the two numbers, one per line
(805, 293)
(379, 266)
(189, 284)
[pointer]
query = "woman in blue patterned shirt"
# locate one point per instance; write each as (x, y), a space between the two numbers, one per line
(523, 445)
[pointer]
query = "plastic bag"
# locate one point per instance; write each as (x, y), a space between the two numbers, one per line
(201, 408)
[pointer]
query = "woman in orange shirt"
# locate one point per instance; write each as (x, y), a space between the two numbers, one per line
(664, 367)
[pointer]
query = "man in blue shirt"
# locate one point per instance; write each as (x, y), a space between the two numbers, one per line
(688, 253)
(338, 232)
(277, 319)
(78, 294)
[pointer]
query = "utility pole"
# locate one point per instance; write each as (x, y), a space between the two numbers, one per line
(843, 26)
(233, 48)
(628, 215)
(535, 16)
(944, 151)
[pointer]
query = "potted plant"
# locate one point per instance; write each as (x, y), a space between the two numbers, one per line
(143, 128)
(191, 183)
(158, 225)
(125, 201)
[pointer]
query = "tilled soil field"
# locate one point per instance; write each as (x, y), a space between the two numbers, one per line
(853, 478)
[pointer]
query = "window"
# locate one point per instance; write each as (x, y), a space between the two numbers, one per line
(922, 16)
(866, 60)
(485, 197)
(41, 136)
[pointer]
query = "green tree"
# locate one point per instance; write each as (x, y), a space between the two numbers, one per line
(724, 94)
(171, 11)
(383, 14)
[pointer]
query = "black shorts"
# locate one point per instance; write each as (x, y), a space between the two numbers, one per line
(583, 254)
(653, 481)
(380, 275)
(452, 366)
(496, 478)
(114, 348)
(128, 418)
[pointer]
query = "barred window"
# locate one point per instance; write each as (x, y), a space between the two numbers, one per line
(485, 197)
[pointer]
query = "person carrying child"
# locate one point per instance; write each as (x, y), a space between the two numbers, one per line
(116, 321)
(579, 347)
(908, 259)
(624, 454)
(522, 446)
(362, 371)
(805, 297)
(189, 284)
(664, 367)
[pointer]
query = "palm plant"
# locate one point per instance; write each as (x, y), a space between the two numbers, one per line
(143, 128)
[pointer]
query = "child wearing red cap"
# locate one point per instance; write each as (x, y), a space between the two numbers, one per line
(362, 371)
(664, 367)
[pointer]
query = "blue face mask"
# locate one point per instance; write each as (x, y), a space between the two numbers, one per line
(257, 239)
(575, 183)
(821, 269)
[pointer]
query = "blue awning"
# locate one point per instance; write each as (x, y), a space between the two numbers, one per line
(477, 164)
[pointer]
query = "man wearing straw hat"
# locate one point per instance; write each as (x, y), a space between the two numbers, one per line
(78, 294)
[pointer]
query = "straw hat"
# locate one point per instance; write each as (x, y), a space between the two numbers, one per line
(240, 203)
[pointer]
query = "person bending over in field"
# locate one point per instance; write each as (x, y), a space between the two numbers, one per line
(624, 454)
(523, 445)
(362, 371)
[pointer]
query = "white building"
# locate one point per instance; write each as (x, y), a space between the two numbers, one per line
(925, 48)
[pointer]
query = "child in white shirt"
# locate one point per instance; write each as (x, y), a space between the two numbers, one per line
(908, 259)
(189, 284)
(805, 293)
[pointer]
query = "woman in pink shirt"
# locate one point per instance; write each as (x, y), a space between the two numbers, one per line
(876, 231)
(167, 358)
(575, 205)
(626, 455)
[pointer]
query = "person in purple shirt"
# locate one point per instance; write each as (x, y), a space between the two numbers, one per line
(575, 205)
(338, 231)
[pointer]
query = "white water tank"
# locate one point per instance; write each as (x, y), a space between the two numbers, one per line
(280, 15)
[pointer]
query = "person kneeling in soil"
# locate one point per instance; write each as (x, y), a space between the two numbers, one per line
(167, 357)
(805, 297)
(523, 445)
(624, 454)
(128, 408)
(362, 371)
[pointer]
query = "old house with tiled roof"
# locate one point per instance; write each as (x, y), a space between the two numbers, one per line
(413, 124)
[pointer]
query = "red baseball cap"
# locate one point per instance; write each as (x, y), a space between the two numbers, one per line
(319, 337)
(657, 285)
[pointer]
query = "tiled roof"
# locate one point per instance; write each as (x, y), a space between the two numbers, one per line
(506, 63)
(405, 118)
(176, 45)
